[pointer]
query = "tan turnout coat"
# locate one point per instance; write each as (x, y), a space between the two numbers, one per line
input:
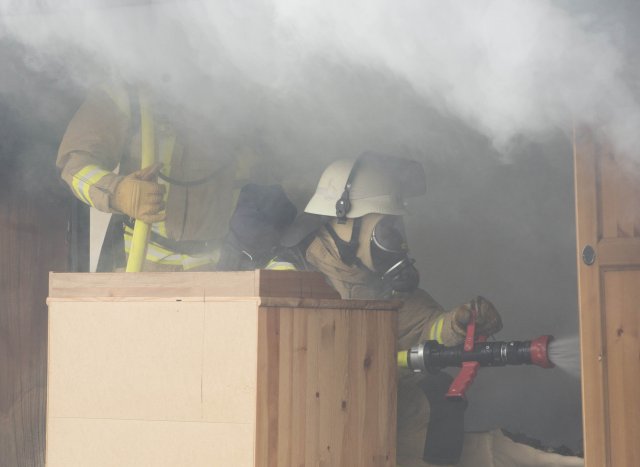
(103, 136)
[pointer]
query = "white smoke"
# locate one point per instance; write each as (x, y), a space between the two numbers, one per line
(311, 80)
(504, 68)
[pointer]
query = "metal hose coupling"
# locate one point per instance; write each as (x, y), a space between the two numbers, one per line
(432, 356)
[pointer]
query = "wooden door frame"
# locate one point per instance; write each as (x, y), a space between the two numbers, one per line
(611, 254)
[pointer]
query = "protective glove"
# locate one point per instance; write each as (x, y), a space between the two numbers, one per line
(139, 196)
(488, 321)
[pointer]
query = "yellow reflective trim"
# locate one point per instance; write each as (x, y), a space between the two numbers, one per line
(435, 334)
(84, 179)
(439, 330)
(195, 264)
(275, 265)
(160, 255)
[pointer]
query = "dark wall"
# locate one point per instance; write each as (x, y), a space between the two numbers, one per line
(32, 243)
(34, 212)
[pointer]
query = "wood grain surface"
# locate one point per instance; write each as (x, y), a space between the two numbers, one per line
(32, 243)
(263, 283)
(328, 388)
(608, 220)
(621, 297)
(301, 379)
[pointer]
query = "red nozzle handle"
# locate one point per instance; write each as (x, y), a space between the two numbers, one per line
(469, 370)
(464, 379)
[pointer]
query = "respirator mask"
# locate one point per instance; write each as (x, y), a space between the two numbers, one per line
(378, 245)
(390, 257)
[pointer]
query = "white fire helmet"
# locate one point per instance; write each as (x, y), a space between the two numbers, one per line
(372, 183)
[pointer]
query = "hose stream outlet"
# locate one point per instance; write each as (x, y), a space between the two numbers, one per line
(432, 356)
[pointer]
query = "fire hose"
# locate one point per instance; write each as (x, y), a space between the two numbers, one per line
(140, 238)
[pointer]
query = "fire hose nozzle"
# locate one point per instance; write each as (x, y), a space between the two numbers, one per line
(432, 356)
(539, 350)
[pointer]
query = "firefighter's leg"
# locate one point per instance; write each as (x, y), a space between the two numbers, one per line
(430, 427)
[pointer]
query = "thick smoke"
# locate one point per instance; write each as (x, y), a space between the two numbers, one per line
(460, 85)
(504, 68)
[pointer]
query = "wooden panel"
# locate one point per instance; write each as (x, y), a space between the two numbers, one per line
(152, 374)
(294, 284)
(621, 299)
(619, 252)
(152, 284)
(619, 197)
(591, 321)
(312, 378)
(32, 242)
(607, 201)
(191, 284)
(333, 397)
(229, 363)
(125, 361)
(135, 443)
(267, 397)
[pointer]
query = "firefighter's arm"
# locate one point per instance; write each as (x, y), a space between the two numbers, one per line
(422, 318)
(450, 328)
(93, 145)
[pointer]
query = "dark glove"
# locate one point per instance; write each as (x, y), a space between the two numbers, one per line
(255, 227)
(488, 321)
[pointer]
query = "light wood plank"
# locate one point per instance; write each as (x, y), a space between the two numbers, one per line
(152, 284)
(619, 252)
(285, 388)
(607, 191)
(268, 380)
(312, 433)
(125, 362)
(591, 320)
(134, 443)
(299, 388)
(330, 304)
(228, 362)
(621, 297)
(294, 284)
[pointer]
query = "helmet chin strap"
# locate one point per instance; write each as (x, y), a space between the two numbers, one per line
(348, 250)
(343, 205)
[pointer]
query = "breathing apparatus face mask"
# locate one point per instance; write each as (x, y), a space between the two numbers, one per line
(377, 245)
(390, 257)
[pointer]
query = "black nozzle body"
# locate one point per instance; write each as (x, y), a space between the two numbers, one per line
(433, 356)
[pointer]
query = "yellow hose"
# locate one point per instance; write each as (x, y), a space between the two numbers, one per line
(140, 238)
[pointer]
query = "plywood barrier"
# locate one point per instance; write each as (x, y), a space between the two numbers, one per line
(264, 368)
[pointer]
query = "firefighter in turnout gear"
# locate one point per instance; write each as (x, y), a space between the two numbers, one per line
(353, 233)
(187, 194)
